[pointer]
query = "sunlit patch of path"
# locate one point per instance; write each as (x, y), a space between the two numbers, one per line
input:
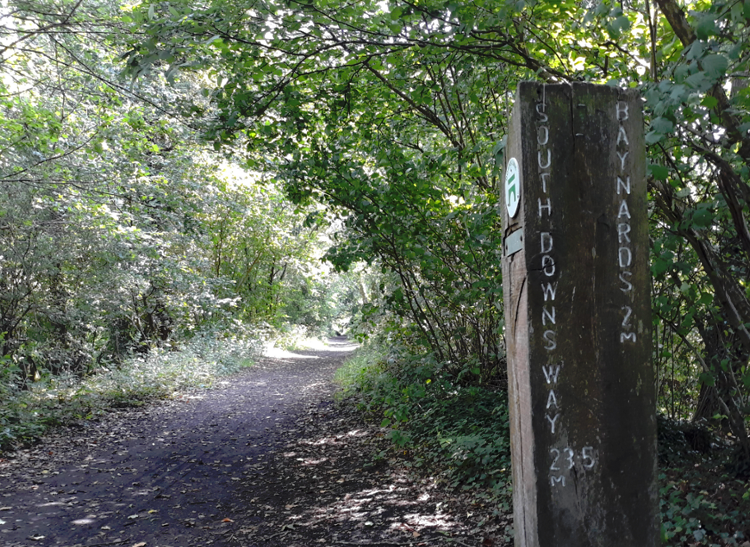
(314, 344)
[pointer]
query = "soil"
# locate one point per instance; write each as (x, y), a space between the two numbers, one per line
(266, 459)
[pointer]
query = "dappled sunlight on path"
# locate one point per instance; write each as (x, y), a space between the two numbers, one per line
(313, 346)
(265, 460)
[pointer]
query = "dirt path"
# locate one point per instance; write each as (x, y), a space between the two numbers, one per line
(266, 460)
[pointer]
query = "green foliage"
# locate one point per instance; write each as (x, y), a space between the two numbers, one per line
(691, 515)
(392, 115)
(703, 501)
(120, 233)
(383, 122)
(400, 145)
(262, 245)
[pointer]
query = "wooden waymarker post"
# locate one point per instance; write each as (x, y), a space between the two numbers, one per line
(578, 319)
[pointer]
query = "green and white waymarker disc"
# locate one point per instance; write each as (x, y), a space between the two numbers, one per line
(512, 187)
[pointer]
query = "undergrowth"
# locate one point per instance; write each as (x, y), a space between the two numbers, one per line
(703, 501)
(444, 425)
(25, 415)
(461, 432)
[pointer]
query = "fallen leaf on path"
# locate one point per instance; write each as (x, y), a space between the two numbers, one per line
(141, 544)
(227, 520)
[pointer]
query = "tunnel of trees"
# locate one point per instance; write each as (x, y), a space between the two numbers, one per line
(170, 168)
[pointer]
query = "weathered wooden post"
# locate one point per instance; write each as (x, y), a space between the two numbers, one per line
(578, 318)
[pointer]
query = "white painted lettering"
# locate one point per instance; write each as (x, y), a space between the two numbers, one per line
(551, 373)
(546, 241)
(622, 136)
(552, 421)
(542, 139)
(540, 107)
(539, 159)
(558, 480)
(622, 110)
(549, 339)
(551, 400)
(588, 457)
(623, 229)
(544, 181)
(628, 312)
(624, 211)
(547, 206)
(625, 257)
(628, 285)
(546, 314)
(622, 160)
(549, 291)
(624, 185)
(548, 265)
(627, 336)
(556, 453)
(569, 453)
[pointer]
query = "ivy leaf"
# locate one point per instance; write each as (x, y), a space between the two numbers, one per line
(707, 378)
(702, 217)
(652, 137)
(695, 51)
(659, 267)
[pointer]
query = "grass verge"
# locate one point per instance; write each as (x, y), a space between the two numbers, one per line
(25, 415)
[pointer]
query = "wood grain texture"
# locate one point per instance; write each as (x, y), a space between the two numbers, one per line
(578, 321)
